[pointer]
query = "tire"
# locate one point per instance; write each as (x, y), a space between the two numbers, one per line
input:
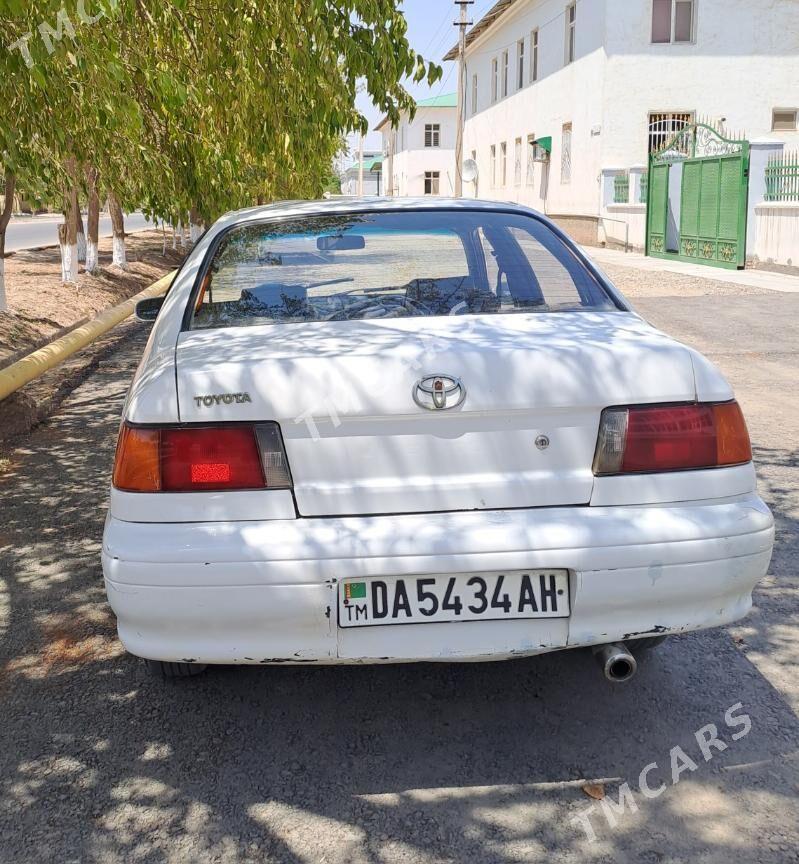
(643, 646)
(165, 669)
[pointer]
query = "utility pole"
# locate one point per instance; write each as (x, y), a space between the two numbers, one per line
(388, 183)
(462, 24)
(360, 166)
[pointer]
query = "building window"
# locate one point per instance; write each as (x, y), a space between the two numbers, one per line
(571, 20)
(534, 56)
(503, 163)
(493, 165)
(566, 154)
(431, 182)
(504, 74)
(474, 94)
(432, 135)
(517, 162)
(530, 160)
(494, 79)
(664, 126)
(784, 120)
(673, 21)
(520, 64)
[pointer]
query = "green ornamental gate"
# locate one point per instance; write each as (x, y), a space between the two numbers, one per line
(710, 204)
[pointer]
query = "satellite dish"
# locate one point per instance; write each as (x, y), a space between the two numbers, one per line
(470, 171)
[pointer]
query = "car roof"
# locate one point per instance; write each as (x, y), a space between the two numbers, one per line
(371, 204)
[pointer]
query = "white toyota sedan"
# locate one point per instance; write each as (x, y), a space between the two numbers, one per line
(396, 430)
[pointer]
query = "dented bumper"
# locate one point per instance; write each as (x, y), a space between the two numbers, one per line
(265, 591)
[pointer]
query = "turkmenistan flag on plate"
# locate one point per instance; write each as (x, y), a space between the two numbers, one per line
(355, 590)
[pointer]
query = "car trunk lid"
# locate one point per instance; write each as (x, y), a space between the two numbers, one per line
(357, 441)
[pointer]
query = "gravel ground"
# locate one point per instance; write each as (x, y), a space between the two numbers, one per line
(423, 763)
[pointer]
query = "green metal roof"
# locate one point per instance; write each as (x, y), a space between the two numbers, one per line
(447, 100)
(368, 165)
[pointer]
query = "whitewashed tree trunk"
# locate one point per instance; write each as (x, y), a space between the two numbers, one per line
(181, 240)
(92, 223)
(196, 225)
(163, 235)
(119, 255)
(92, 258)
(174, 238)
(69, 254)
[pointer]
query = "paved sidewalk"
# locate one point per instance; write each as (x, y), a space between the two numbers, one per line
(751, 278)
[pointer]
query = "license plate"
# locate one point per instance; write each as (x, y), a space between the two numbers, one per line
(466, 597)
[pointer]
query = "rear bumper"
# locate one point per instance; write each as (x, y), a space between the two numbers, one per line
(265, 591)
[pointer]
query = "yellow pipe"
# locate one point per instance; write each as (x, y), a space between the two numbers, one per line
(37, 362)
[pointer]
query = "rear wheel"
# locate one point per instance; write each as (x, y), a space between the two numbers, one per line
(165, 669)
(643, 646)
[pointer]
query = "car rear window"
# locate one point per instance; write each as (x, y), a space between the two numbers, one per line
(391, 265)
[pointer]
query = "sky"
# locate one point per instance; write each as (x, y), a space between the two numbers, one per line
(432, 33)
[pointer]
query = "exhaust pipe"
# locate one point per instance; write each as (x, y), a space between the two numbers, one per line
(617, 663)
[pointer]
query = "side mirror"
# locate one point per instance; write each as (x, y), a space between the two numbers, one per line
(147, 310)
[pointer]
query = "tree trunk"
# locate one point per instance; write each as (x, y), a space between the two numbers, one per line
(63, 248)
(196, 223)
(69, 248)
(180, 233)
(174, 238)
(163, 235)
(5, 218)
(81, 234)
(92, 223)
(119, 258)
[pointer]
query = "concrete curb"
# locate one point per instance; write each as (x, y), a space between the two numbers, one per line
(37, 362)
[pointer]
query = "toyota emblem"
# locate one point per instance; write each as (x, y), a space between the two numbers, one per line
(439, 392)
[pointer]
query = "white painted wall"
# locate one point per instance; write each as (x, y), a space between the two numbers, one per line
(743, 63)
(562, 94)
(412, 159)
(777, 233)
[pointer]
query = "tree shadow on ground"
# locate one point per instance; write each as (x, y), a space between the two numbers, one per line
(385, 763)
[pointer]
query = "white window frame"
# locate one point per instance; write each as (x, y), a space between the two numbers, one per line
(530, 178)
(504, 79)
(432, 133)
(434, 179)
(775, 111)
(571, 33)
(566, 136)
(517, 162)
(520, 64)
(534, 70)
(672, 34)
(493, 153)
(494, 79)
(474, 94)
(503, 163)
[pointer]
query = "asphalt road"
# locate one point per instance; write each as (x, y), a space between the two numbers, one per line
(41, 231)
(422, 763)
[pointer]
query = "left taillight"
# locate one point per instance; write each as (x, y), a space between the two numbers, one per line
(200, 458)
(652, 438)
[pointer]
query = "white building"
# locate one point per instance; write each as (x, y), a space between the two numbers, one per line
(419, 154)
(372, 176)
(599, 83)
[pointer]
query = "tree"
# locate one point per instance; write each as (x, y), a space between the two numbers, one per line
(187, 110)
(5, 217)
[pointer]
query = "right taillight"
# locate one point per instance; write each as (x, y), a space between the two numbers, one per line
(201, 458)
(652, 438)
